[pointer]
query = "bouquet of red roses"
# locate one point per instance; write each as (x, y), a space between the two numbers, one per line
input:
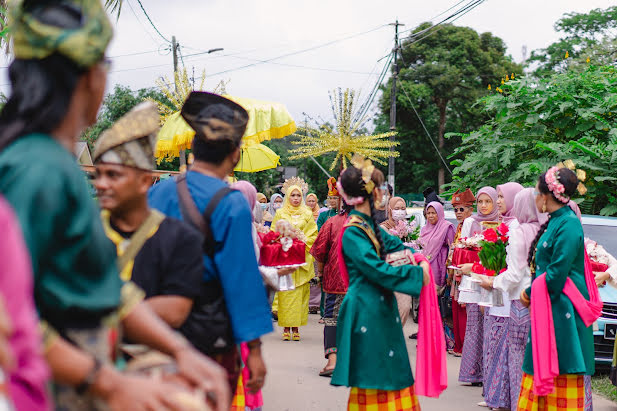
(493, 252)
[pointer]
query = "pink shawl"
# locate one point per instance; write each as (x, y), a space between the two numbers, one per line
(509, 191)
(431, 367)
(432, 236)
(546, 367)
(528, 216)
(27, 382)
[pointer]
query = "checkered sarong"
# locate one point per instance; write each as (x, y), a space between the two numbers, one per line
(239, 400)
(569, 394)
(361, 399)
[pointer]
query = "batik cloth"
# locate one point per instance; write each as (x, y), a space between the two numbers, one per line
(496, 372)
(361, 399)
(471, 362)
(518, 332)
(569, 394)
(293, 306)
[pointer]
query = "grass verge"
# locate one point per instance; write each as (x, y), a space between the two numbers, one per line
(602, 385)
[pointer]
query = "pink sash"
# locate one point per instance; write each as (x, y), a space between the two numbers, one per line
(431, 367)
(546, 367)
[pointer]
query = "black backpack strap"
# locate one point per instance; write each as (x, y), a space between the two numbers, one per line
(191, 214)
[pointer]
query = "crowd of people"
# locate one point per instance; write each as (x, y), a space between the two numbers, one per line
(155, 296)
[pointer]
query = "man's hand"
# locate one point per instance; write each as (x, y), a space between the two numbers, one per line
(205, 374)
(257, 370)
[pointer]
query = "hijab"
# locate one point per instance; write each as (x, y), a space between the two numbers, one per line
(249, 192)
(509, 191)
(433, 235)
(493, 215)
(528, 216)
(261, 196)
(390, 223)
(291, 210)
(271, 209)
(315, 209)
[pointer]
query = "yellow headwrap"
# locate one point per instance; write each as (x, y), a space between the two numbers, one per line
(85, 46)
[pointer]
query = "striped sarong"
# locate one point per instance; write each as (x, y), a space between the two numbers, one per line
(569, 394)
(361, 399)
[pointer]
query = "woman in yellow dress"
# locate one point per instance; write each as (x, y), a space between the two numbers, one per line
(293, 304)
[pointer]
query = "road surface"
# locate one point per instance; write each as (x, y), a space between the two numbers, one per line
(293, 383)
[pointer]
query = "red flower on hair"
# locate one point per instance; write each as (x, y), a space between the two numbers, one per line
(491, 236)
(503, 229)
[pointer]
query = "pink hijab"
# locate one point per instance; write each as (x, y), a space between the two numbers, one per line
(529, 218)
(509, 191)
(494, 215)
(249, 192)
(433, 235)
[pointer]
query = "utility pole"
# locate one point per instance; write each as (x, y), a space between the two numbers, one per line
(393, 103)
(174, 53)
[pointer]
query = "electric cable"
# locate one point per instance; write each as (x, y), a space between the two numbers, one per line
(150, 20)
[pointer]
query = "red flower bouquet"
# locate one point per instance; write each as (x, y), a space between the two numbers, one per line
(493, 253)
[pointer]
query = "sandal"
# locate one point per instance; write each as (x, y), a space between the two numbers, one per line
(326, 372)
(286, 336)
(296, 337)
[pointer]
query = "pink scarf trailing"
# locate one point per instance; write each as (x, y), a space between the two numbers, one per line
(252, 401)
(431, 367)
(546, 367)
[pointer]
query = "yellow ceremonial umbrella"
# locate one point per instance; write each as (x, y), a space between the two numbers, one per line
(267, 121)
(256, 157)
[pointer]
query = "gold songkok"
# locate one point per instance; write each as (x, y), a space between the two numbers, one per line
(80, 30)
(215, 118)
(131, 140)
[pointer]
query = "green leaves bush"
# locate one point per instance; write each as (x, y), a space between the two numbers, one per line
(535, 123)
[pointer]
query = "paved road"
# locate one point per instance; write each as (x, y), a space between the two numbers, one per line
(294, 385)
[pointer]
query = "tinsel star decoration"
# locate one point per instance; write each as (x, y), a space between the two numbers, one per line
(343, 139)
(177, 92)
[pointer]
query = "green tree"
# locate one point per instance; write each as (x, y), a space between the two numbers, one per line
(442, 76)
(536, 123)
(585, 35)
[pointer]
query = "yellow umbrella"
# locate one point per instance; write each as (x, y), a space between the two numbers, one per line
(267, 121)
(256, 157)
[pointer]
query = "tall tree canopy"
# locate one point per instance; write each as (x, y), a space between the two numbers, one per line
(585, 35)
(442, 76)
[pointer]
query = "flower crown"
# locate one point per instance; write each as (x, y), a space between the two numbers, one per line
(555, 186)
(295, 181)
(366, 166)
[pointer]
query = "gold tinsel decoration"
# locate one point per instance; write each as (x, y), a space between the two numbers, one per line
(342, 139)
(177, 92)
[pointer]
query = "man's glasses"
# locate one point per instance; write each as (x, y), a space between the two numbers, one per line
(459, 210)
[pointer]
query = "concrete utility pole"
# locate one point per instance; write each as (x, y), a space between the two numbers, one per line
(174, 53)
(393, 102)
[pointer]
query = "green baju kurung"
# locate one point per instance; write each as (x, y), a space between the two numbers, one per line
(561, 254)
(371, 347)
(323, 217)
(76, 282)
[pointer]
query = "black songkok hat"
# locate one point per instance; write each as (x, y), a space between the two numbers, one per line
(214, 117)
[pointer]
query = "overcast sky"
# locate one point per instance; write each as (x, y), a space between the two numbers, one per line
(250, 30)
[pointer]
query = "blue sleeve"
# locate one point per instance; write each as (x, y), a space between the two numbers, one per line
(236, 264)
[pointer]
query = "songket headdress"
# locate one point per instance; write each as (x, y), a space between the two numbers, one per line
(83, 43)
(215, 118)
(131, 140)
(464, 198)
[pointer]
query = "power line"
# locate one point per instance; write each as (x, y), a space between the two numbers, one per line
(151, 23)
(329, 43)
(140, 23)
(452, 17)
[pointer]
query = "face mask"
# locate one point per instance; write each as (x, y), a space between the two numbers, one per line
(399, 214)
(277, 205)
(263, 206)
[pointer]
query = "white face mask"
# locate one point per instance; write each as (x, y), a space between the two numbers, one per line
(399, 214)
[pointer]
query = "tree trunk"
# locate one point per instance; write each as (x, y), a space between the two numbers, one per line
(441, 175)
